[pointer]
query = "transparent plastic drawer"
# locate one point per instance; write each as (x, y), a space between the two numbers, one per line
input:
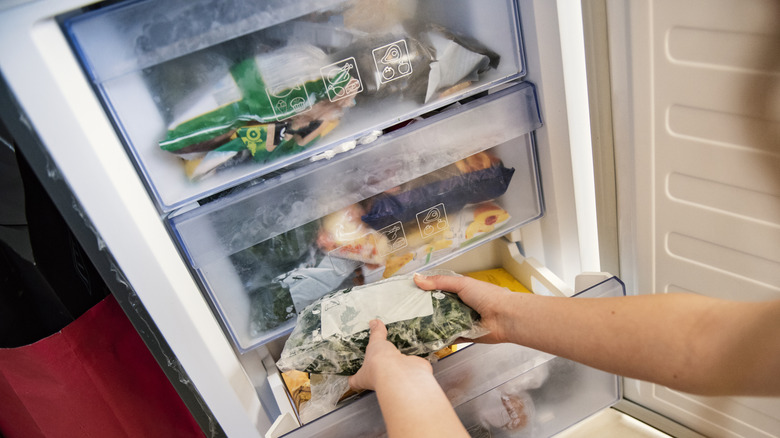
(208, 95)
(414, 198)
(502, 390)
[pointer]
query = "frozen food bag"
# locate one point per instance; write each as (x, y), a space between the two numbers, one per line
(258, 268)
(457, 62)
(331, 334)
(308, 283)
(326, 392)
(414, 61)
(499, 277)
(269, 105)
(299, 385)
(271, 307)
(393, 67)
(344, 235)
(456, 186)
(261, 263)
(481, 219)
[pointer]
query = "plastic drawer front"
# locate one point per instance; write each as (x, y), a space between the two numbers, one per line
(207, 97)
(412, 199)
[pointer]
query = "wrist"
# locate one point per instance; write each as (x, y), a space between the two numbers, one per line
(408, 371)
(511, 317)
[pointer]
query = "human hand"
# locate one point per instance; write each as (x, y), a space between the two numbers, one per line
(489, 300)
(384, 363)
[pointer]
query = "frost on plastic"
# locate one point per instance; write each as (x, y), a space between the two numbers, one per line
(278, 90)
(332, 333)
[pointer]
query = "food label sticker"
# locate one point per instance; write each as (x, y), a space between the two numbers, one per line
(391, 301)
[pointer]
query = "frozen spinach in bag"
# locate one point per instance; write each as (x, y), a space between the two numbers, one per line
(332, 333)
(258, 268)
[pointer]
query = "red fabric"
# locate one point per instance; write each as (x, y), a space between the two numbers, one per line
(95, 378)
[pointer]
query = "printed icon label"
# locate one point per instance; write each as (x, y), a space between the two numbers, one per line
(392, 61)
(288, 101)
(396, 237)
(342, 79)
(432, 221)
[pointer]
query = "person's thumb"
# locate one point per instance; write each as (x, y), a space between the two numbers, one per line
(378, 330)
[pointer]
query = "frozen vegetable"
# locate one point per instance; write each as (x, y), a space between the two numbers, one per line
(258, 268)
(331, 335)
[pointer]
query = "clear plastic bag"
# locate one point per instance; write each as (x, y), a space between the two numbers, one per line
(326, 391)
(330, 338)
(332, 333)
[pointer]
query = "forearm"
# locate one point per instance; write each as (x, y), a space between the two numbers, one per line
(414, 405)
(687, 342)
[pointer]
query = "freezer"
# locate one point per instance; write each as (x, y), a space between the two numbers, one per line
(226, 163)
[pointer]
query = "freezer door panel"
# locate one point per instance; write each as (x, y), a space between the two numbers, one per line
(208, 96)
(498, 390)
(412, 199)
(696, 121)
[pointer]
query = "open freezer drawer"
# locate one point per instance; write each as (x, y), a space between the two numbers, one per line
(208, 96)
(496, 390)
(416, 197)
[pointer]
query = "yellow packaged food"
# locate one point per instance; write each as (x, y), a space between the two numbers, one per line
(500, 277)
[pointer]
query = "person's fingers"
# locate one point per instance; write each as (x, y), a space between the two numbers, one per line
(448, 283)
(377, 331)
(471, 291)
(483, 297)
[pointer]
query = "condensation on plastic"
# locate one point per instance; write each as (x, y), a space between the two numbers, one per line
(231, 242)
(152, 60)
(154, 32)
(260, 212)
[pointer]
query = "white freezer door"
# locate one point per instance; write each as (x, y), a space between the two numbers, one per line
(696, 103)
